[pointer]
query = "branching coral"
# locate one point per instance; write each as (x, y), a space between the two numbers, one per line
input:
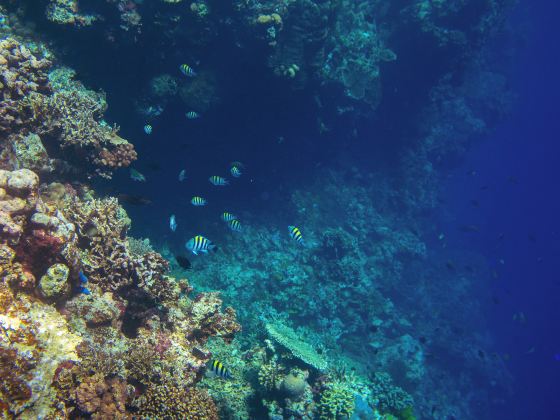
(337, 401)
(169, 402)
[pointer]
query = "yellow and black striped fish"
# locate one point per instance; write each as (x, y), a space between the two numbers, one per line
(227, 217)
(235, 225)
(200, 244)
(187, 70)
(296, 235)
(192, 115)
(198, 201)
(220, 370)
(218, 180)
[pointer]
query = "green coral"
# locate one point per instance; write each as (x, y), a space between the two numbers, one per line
(337, 401)
(288, 338)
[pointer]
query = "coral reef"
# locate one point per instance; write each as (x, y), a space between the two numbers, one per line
(53, 232)
(33, 115)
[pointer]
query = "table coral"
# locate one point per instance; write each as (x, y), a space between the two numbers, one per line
(288, 338)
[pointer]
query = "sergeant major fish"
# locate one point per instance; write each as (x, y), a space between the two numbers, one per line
(187, 70)
(182, 175)
(235, 169)
(235, 225)
(218, 369)
(218, 180)
(200, 244)
(148, 129)
(227, 217)
(192, 115)
(296, 235)
(198, 201)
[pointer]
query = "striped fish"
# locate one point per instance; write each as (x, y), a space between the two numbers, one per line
(235, 225)
(227, 217)
(192, 115)
(218, 180)
(198, 201)
(187, 70)
(218, 369)
(148, 129)
(235, 172)
(200, 244)
(296, 235)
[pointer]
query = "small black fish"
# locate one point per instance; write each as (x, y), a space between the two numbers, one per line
(134, 200)
(481, 354)
(183, 262)
(469, 268)
(475, 203)
(501, 236)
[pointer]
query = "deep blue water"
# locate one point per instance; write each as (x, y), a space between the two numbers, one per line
(519, 219)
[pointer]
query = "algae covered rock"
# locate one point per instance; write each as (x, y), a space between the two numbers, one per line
(54, 284)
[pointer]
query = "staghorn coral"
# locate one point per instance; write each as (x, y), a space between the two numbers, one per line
(176, 403)
(288, 338)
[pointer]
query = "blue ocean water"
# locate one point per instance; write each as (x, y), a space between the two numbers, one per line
(519, 215)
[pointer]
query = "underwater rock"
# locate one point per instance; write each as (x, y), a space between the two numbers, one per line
(54, 284)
